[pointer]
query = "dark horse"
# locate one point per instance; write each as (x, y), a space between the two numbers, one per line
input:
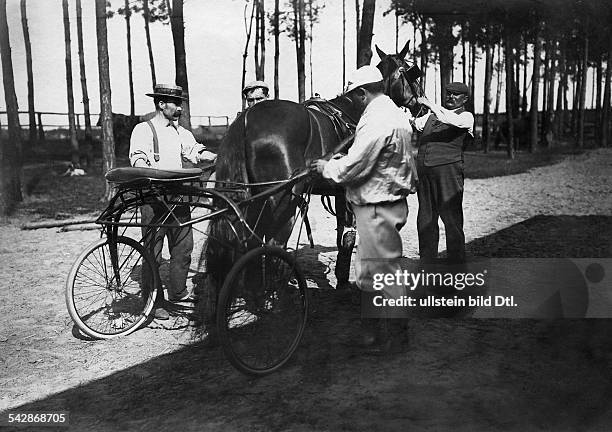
(274, 139)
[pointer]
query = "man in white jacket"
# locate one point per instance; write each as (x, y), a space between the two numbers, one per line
(378, 172)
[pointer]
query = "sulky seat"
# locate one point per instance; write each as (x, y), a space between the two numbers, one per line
(129, 175)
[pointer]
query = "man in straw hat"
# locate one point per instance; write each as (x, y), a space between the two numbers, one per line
(162, 143)
(378, 173)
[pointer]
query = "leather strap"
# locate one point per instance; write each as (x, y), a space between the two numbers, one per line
(155, 141)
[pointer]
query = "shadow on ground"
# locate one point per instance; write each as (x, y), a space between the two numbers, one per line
(472, 375)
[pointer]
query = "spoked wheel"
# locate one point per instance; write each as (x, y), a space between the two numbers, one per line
(262, 310)
(111, 288)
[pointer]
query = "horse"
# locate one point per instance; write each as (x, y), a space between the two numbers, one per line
(276, 138)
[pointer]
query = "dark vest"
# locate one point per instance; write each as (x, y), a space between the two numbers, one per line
(440, 143)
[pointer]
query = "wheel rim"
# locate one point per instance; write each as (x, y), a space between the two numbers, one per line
(265, 313)
(109, 300)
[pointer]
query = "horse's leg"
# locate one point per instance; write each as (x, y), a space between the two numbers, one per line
(345, 241)
(280, 220)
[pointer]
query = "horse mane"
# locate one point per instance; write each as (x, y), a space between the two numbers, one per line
(231, 155)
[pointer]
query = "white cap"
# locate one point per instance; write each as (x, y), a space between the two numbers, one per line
(255, 84)
(362, 76)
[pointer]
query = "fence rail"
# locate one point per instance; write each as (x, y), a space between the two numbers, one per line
(48, 120)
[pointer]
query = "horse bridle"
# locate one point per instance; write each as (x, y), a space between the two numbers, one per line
(402, 70)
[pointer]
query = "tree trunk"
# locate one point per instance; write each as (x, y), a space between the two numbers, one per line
(561, 93)
(28, 50)
(276, 48)
(74, 143)
(499, 84)
(509, 101)
(550, 103)
(128, 29)
(576, 82)
(599, 77)
(424, 50)
(343, 43)
(445, 51)
(357, 25)
(525, 64)
(245, 53)
(10, 150)
(545, 95)
(396, 32)
(585, 57)
(257, 36)
(463, 55)
(180, 58)
(310, 25)
(605, 116)
(145, 14)
(535, 88)
(300, 49)
(472, 77)
(364, 41)
(487, 97)
(260, 40)
(88, 134)
(106, 111)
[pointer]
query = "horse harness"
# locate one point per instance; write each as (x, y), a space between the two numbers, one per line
(344, 125)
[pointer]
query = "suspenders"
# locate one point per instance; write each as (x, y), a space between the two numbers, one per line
(155, 141)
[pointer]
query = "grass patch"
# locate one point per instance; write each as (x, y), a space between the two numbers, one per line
(479, 165)
(53, 196)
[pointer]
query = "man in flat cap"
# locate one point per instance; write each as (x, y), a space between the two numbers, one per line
(378, 172)
(255, 92)
(440, 171)
(161, 143)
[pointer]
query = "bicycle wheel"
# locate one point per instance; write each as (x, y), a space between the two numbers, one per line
(262, 310)
(106, 300)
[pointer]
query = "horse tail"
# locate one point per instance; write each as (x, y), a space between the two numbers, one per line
(230, 167)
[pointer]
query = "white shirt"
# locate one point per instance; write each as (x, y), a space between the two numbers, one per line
(175, 142)
(462, 120)
(379, 166)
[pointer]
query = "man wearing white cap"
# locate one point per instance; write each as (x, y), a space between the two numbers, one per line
(378, 172)
(255, 92)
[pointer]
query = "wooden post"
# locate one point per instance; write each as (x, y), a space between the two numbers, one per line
(41, 130)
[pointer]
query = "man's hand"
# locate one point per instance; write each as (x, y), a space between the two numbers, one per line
(424, 101)
(206, 156)
(318, 165)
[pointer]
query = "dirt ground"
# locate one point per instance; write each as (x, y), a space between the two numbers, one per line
(454, 374)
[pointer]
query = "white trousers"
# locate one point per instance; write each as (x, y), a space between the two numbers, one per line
(380, 244)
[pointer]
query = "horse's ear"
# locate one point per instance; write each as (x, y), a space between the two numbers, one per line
(380, 52)
(404, 50)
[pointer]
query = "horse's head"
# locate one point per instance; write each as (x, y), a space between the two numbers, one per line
(400, 78)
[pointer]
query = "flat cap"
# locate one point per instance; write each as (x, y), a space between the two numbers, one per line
(458, 88)
(255, 84)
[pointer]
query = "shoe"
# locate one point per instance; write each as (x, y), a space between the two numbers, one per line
(161, 314)
(187, 298)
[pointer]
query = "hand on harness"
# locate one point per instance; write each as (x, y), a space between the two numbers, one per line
(318, 165)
